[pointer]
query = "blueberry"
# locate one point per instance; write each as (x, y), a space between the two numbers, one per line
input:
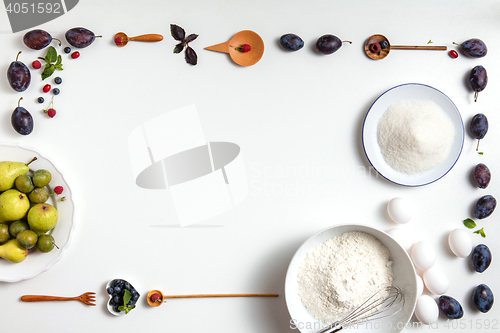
(118, 289)
(40, 100)
(482, 297)
(127, 285)
(450, 307)
(384, 44)
(111, 302)
(115, 308)
(110, 290)
(58, 80)
(135, 297)
(291, 42)
(56, 91)
(67, 49)
(481, 258)
(116, 300)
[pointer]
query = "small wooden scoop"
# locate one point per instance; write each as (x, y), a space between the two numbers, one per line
(162, 297)
(242, 58)
(384, 52)
(121, 39)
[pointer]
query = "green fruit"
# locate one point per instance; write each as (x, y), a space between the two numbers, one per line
(41, 178)
(9, 171)
(13, 205)
(4, 233)
(12, 252)
(24, 184)
(39, 195)
(45, 243)
(26, 239)
(42, 217)
(18, 226)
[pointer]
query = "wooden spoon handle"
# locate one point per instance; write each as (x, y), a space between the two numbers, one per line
(417, 47)
(222, 47)
(40, 298)
(221, 295)
(147, 38)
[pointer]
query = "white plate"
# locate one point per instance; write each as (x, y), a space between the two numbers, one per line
(38, 262)
(406, 92)
(404, 277)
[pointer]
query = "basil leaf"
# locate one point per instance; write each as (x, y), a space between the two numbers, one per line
(48, 71)
(51, 55)
(177, 32)
(190, 56)
(480, 232)
(178, 48)
(469, 223)
(191, 37)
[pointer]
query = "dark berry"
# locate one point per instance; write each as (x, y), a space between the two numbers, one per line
(58, 80)
(115, 308)
(481, 258)
(56, 91)
(482, 297)
(75, 54)
(118, 289)
(384, 44)
(450, 307)
(116, 300)
(46, 88)
(453, 54)
(40, 100)
(110, 290)
(67, 49)
(291, 42)
(375, 47)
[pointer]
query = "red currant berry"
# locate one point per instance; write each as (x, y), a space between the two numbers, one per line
(58, 189)
(46, 88)
(36, 64)
(453, 54)
(75, 54)
(51, 113)
(375, 47)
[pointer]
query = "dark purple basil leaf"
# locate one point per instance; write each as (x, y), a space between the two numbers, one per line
(191, 57)
(177, 32)
(178, 48)
(191, 37)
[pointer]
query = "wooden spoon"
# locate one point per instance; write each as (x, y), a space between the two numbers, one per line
(384, 52)
(162, 297)
(242, 58)
(121, 39)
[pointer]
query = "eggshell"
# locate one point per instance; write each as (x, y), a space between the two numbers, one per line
(420, 286)
(423, 255)
(400, 210)
(460, 243)
(436, 281)
(426, 310)
(401, 237)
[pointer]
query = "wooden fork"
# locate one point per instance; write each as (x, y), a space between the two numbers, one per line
(87, 298)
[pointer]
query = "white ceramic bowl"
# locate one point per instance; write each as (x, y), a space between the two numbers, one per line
(404, 277)
(38, 262)
(406, 92)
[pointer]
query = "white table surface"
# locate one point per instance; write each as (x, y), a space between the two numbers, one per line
(297, 118)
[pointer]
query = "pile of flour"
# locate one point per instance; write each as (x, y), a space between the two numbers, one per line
(415, 135)
(342, 273)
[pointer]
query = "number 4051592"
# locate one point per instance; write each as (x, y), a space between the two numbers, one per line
(40, 8)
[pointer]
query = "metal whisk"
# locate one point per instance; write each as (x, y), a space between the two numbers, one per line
(383, 304)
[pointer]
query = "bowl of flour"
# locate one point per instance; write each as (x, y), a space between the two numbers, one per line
(413, 134)
(338, 268)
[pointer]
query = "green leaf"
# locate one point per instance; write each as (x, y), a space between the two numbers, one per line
(480, 232)
(469, 223)
(51, 55)
(59, 60)
(429, 42)
(122, 308)
(59, 67)
(127, 296)
(480, 153)
(48, 71)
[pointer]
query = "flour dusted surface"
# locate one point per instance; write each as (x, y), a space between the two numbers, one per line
(341, 273)
(415, 135)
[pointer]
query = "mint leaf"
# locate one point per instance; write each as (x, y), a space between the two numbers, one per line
(127, 296)
(51, 55)
(480, 153)
(480, 232)
(429, 42)
(48, 71)
(59, 60)
(469, 223)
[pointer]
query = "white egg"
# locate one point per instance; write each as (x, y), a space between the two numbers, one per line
(401, 237)
(436, 281)
(400, 210)
(426, 310)
(423, 255)
(460, 243)
(420, 286)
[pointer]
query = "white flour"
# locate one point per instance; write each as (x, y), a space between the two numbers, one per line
(415, 135)
(341, 273)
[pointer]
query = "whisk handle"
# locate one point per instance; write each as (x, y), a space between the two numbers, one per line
(335, 327)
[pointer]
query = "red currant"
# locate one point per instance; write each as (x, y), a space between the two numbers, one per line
(46, 88)
(75, 54)
(58, 189)
(453, 54)
(36, 64)
(51, 113)
(375, 47)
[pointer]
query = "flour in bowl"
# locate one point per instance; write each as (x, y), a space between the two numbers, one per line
(341, 273)
(415, 135)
